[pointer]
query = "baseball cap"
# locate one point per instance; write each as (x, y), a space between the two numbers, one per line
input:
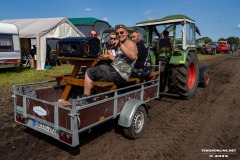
(120, 26)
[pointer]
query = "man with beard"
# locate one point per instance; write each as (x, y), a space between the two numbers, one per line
(142, 66)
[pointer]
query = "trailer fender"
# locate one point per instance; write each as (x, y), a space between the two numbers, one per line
(128, 111)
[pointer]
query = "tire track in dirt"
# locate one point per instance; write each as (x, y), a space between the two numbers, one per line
(221, 127)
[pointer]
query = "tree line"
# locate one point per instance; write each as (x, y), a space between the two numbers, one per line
(231, 40)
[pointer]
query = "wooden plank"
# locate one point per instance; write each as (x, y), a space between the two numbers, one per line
(152, 76)
(73, 81)
(69, 86)
(66, 91)
(133, 79)
(89, 62)
(102, 84)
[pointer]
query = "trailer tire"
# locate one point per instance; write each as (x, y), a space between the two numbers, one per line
(184, 78)
(138, 124)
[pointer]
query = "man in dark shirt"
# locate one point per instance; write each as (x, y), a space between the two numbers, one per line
(142, 67)
(165, 41)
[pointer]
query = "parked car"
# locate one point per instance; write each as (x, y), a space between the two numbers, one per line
(222, 46)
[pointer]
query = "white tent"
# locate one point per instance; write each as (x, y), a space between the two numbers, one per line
(42, 29)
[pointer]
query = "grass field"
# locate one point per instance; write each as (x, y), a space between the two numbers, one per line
(25, 75)
(204, 56)
(10, 77)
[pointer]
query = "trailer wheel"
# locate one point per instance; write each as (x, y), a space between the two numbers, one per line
(204, 76)
(138, 124)
(184, 78)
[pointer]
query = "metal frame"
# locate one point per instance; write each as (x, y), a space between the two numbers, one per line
(144, 88)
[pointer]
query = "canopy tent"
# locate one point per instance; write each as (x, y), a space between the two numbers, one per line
(88, 23)
(43, 29)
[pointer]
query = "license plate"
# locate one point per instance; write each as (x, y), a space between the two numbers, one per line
(43, 127)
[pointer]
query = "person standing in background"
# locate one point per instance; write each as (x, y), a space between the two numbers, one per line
(48, 51)
(93, 33)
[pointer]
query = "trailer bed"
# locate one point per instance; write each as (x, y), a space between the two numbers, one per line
(39, 106)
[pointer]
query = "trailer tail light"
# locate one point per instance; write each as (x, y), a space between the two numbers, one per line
(177, 52)
(21, 119)
(65, 137)
(10, 61)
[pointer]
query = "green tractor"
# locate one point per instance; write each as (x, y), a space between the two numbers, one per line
(180, 73)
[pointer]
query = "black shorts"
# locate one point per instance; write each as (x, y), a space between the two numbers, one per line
(104, 73)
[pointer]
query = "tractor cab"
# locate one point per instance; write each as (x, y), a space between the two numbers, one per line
(182, 32)
(180, 64)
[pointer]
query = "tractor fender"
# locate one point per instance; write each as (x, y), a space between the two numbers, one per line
(128, 111)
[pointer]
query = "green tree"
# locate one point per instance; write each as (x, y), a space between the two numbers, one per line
(233, 40)
(205, 40)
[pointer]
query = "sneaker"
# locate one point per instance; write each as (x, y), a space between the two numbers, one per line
(83, 101)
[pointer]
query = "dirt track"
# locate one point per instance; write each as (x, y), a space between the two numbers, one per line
(177, 129)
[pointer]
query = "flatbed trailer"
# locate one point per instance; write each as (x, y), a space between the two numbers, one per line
(40, 106)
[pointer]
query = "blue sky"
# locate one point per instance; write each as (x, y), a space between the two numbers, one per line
(215, 18)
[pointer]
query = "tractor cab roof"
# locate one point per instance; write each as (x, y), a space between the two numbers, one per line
(168, 20)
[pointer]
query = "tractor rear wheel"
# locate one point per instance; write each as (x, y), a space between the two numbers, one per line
(184, 78)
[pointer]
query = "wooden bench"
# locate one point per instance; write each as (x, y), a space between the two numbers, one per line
(109, 86)
(100, 86)
(152, 76)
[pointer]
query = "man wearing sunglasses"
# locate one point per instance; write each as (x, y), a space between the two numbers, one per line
(121, 66)
(111, 44)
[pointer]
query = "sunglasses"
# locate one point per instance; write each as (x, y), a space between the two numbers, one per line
(121, 32)
(112, 38)
(94, 35)
(133, 37)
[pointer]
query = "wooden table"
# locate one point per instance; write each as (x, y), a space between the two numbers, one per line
(77, 62)
(70, 79)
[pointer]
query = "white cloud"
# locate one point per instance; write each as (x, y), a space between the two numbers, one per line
(88, 9)
(148, 12)
(105, 19)
(238, 26)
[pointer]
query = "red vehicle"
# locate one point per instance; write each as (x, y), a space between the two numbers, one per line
(222, 46)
